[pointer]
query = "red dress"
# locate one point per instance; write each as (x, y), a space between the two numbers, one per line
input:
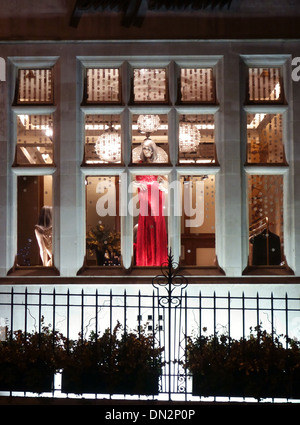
(151, 241)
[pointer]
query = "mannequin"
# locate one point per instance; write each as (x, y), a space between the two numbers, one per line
(151, 239)
(43, 233)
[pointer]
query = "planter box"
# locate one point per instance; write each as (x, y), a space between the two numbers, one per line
(33, 378)
(257, 385)
(78, 381)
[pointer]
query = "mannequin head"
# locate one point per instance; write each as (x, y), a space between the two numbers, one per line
(45, 218)
(149, 151)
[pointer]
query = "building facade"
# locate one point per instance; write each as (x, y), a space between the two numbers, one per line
(217, 104)
(224, 185)
(130, 134)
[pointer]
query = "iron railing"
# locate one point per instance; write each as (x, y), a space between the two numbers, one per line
(169, 308)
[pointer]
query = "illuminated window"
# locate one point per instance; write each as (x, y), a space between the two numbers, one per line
(102, 221)
(150, 139)
(197, 85)
(264, 138)
(35, 86)
(197, 139)
(265, 85)
(103, 85)
(34, 235)
(34, 140)
(150, 85)
(150, 220)
(266, 220)
(102, 139)
(198, 221)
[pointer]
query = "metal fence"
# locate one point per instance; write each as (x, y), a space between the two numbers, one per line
(170, 309)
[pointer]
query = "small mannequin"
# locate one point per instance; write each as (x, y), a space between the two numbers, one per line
(149, 151)
(43, 233)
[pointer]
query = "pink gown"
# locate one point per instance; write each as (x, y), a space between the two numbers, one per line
(151, 241)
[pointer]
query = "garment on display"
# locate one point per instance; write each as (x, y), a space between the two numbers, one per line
(266, 249)
(43, 233)
(151, 238)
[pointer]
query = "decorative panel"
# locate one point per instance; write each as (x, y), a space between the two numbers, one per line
(197, 85)
(150, 85)
(264, 139)
(103, 85)
(34, 140)
(265, 85)
(35, 86)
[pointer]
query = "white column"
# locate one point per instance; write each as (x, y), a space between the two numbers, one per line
(69, 181)
(229, 223)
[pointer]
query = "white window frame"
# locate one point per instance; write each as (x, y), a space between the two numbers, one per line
(281, 61)
(14, 171)
(173, 170)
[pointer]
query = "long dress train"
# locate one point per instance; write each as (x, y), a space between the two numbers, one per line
(151, 241)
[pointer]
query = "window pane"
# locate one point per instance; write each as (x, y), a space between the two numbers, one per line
(34, 221)
(264, 138)
(150, 85)
(197, 139)
(265, 85)
(103, 85)
(197, 85)
(150, 139)
(34, 140)
(35, 86)
(150, 210)
(102, 221)
(198, 221)
(102, 139)
(266, 219)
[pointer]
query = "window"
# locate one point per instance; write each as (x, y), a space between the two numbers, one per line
(197, 85)
(265, 85)
(150, 224)
(197, 139)
(137, 142)
(151, 133)
(102, 85)
(33, 117)
(150, 85)
(265, 139)
(265, 152)
(266, 220)
(198, 220)
(34, 140)
(34, 235)
(35, 86)
(102, 221)
(102, 139)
